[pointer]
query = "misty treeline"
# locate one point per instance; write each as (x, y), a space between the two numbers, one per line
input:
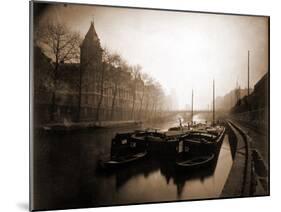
(115, 77)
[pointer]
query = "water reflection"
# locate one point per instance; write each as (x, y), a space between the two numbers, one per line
(66, 173)
(141, 181)
(154, 169)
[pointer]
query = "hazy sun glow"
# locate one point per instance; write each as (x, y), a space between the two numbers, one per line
(183, 51)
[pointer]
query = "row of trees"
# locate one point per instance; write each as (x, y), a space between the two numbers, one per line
(62, 46)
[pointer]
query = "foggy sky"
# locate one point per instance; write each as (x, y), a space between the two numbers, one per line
(183, 51)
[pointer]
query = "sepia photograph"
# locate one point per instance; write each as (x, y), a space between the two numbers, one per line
(138, 105)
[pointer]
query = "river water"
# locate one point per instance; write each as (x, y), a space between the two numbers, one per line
(66, 173)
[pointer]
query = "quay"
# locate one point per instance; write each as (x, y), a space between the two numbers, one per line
(74, 126)
(249, 172)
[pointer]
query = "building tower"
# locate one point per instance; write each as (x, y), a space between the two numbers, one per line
(91, 51)
(90, 61)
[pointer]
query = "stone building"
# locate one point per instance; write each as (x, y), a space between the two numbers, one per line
(98, 86)
(43, 86)
(91, 65)
(254, 108)
(107, 91)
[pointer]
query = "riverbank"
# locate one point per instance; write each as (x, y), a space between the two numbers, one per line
(73, 126)
(249, 172)
(259, 149)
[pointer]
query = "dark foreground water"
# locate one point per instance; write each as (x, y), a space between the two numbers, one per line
(66, 174)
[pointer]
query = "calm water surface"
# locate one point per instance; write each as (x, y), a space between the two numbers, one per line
(66, 173)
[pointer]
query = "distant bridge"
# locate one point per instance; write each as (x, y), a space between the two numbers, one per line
(195, 112)
(189, 111)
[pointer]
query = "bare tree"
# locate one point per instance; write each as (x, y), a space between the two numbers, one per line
(149, 97)
(118, 68)
(135, 71)
(156, 95)
(146, 80)
(62, 46)
(102, 75)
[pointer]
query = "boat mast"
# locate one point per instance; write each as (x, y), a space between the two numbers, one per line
(236, 92)
(192, 107)
(213, 101)
(248, 97)
(248, 73)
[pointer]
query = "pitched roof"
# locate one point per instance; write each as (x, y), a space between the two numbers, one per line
(91, 36)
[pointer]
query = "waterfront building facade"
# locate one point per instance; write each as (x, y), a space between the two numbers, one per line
(108, 93)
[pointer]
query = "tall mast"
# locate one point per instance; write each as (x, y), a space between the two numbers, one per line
(239, 93)
(248, 73)
(213, 101)
(192, 106)
(236, 92)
